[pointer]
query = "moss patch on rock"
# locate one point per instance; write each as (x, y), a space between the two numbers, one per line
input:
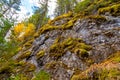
(98, 19)
(42, 75)
(55, 65)
(70, 44)
(24, 55)
(69, 14)
(93, 6)
(114, 10)
(28, 43)
(40, 54)
(108, 74)
(12, 67)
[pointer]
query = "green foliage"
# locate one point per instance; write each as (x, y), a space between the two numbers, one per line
(38, 19)
(64, 6)
(42, 75)
(4, 27)
(82, 5)
(5, 8)
(6, 47)
(35, 19)
(40, 16)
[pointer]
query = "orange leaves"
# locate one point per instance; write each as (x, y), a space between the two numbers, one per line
(22, 31)
(30, 29)
(18, 28)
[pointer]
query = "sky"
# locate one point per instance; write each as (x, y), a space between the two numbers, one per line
(26, 7)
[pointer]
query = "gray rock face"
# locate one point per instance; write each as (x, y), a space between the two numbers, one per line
(104, 39)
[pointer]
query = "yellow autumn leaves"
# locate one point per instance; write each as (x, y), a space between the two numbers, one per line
(22, 31)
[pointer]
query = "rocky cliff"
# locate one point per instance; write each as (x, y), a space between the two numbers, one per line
(78, 46)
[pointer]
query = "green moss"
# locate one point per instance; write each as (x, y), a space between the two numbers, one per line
(42, 75)
(116, 57)
(113, 73)
(11, 67)
(75, 77)
(24, 55)
(96, 5)
(40, 54)
(53, 64)
(50, 65)
(78, 77)
(89, 62)
(7, 68)
(70, 44)
(49, 27)
(77, 71)
(25, 67)
(27, 44)
(69, 14)
(46, 28)
(104, 71)
(108, 74)
(69, 24)
(18, 77)
(82, 53)
(97, 18)
(102, 74)
(114, 10)
(31, 67)
(36, 35)
(84, 46)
